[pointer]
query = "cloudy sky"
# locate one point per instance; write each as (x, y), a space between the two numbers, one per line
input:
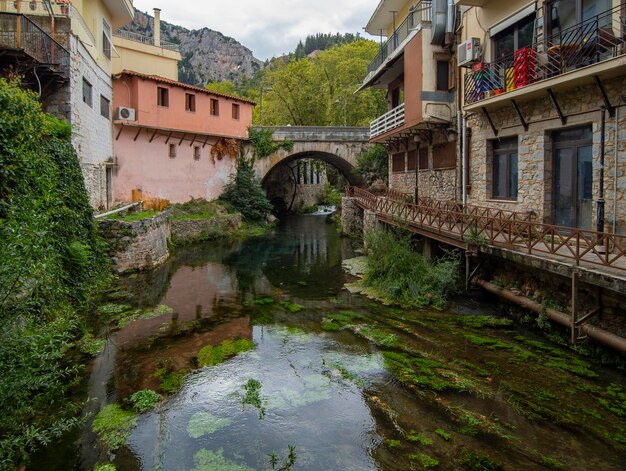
(268, 27)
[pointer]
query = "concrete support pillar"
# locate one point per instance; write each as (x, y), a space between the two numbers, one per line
(429, 248)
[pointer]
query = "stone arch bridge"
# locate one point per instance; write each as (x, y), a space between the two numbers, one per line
(339, 146)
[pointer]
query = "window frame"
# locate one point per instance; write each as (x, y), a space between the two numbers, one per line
(214, 107)
(163, 97)
(87, 92)
(107, 107)
(197, 152)
(503, 150)
(438, 75)
(396, 159)
(516, 45)
(107, 41)
(190, 102)
(236, 111)
(172, 151)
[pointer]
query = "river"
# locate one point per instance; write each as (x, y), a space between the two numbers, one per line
(338, 382)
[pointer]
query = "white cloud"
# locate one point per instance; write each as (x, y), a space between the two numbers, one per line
(270, 27)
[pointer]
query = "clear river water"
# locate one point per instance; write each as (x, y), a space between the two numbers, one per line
(339, 382)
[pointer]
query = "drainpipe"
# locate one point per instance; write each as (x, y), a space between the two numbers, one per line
(464, 161)
(615, 161)
(600, 335)
(157, 27)
(600, 212)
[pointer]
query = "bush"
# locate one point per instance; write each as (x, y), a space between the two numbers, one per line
(145, 400)
(373, 165)
(113, 426)
(245, 194)
(404, 276)
(330, 196)
(52, 262)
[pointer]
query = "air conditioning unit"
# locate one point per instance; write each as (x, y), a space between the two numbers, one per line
(468, 52)
(125, 114)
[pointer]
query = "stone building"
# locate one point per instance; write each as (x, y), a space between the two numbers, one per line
(542, 100)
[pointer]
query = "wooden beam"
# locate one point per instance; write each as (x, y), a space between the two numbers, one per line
(605, 98)
(152, 137)
(168, 137)
(119, 132)
(182, 139)
(205, 141)
(520, 115)
(493, 127)
(193, 140)
(555, 103)
(138, 132)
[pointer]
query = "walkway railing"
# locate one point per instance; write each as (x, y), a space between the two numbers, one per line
(594, 40)
(475, 225)
(19, 32)
(120, 33)
(390, 120)
(422, 12)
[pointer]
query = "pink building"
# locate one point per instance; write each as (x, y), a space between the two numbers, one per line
(163, 135)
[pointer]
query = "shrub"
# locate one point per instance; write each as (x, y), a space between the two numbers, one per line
(373, 164)
(403, 276)
(330, 196)
(113, 426)
(264, 145)
(245, 194)
(145, 400)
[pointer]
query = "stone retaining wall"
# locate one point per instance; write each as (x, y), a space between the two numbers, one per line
(137, 245)
(189, 230)
(351, 217)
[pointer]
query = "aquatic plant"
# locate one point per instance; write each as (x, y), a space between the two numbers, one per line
(329, 325)
(424, 460)
(207, 460)
(392, 443)
(287, 462)
(91, 345)
(552, 463)
(105, 467)
(204, 423)
(138, 314)
(414, 437)
(403, 276)
(252, 396)
(113, 426)
(145, 400)
(211, 355)
(474, 461)
(616, 401)
(378, 336)
(264, 301)
(292, 307)
(170, 381)
(443, 434)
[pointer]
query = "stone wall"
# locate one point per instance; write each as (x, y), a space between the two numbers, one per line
(351, 217)
(137, 245)
(189, 230)
(582, 107)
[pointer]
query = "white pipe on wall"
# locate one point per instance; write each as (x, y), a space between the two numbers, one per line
(615, 173)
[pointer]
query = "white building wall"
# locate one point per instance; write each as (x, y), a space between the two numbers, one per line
(92, 134)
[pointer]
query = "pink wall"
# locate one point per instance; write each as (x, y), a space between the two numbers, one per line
(143, 98)
(147, 166)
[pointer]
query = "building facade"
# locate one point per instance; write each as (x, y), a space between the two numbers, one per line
(416, 67)
(171, 139)
(542, 99)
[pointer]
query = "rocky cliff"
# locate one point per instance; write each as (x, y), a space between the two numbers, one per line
(207, 55)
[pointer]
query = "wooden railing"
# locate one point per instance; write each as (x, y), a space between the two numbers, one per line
(475, 225)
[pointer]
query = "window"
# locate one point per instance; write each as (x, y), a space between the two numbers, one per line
(443, 76)
(411, 160)
(87, 92)
(397, 162)
(215, 107)
(444, 155)
(504, 176)
(235, 111)
(163, 97)
(514, 37)
(190, 102)
(196, 152)
(563, 14)
(105, 107)
(423, 158)
(106, 39)
(172, 151)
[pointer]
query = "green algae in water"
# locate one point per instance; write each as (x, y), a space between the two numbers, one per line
(208, 460)
(288, 462)
(424, 460)
(105, 467)
(414, 437)
(476, 322)
(317, 388)
(475, 461)
(330, 326)
(616, 400)
(204, 423)
(292, 307)
(145, 400)
(378, 336)
(143, 314)
(488, 342)
(264, 301)
(443, 434)
(113, 426)
(552, 463)
(347, 375)
(392, 443)
(170, 381)
(210, 355)
(252, 396)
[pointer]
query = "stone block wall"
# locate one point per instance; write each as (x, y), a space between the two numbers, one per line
(189, 230)
(582, 106)
(351, 217)
(137, 245)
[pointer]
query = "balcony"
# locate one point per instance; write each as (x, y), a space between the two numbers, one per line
(140, 38)
(582, 46)
(36, 8)
(390, 120)
(421, 13)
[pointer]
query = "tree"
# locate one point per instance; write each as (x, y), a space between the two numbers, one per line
(245, 193)
(373, 164)
(225, 87)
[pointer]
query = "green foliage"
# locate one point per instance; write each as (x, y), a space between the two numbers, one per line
(292, 307)
(264, 145)
(424, 460)
(287, 464)
(225, 87)
(196, 209)
(245, 193)
(113, 426)
(474, 461)
(252, 396)
(373, 164)
(404, 276)
(330, 196)
(145, 400)
(52, 262)
(443, 434)
(105, 467)
(204, 423)
(210, 355)
(552, 463)
(91, 345)
(322, 42)
(417, 438)
(133, 216)
(393, 443)
(207, 460)
(169, 380)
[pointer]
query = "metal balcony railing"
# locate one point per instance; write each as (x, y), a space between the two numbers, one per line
(597, 39)
(390, 120)
(421, 13)
(20, 33)
(120, 33)
(38, 8)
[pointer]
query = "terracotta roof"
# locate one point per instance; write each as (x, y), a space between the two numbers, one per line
(158, 78)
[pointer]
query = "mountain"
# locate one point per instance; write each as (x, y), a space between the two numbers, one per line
(208, 55)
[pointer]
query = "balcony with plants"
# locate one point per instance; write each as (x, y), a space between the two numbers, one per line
(595, 40)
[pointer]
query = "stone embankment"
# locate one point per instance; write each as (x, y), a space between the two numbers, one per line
(191, 230)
